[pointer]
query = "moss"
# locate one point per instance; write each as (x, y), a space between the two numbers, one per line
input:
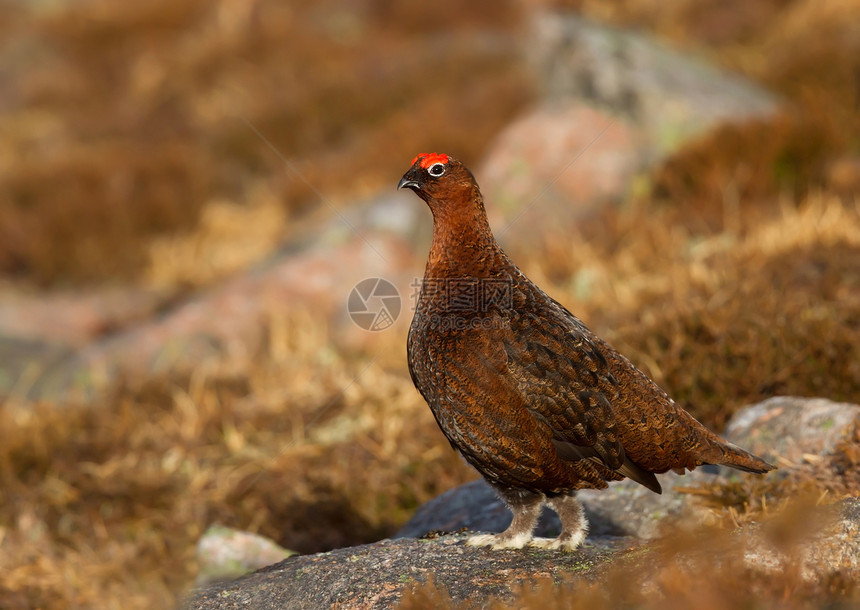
(580, 566)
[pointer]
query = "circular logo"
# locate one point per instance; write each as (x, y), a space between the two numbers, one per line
(373, 304)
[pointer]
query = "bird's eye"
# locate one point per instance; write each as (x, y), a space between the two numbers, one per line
(437, 169)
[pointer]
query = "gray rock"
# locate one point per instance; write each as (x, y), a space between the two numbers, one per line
(787, 429)
(24, 361)
(567, 159)
(624, 509)
(669, 92)
(73, 318)
(826, 542)
(614, 104)
(39, 332)
(224, 553)
(475, 506)
(628, 509)
(377, 575)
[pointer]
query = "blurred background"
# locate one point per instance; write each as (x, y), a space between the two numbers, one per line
(189, 190)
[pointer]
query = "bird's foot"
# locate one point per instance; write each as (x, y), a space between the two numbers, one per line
(562, 543)
(500, 541)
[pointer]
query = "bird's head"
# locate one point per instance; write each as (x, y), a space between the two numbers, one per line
(439, 179)
(451, 193)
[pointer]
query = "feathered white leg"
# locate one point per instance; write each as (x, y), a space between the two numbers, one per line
(574, 525)
(526, 508)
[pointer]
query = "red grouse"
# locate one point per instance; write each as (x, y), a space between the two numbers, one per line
(534, 400)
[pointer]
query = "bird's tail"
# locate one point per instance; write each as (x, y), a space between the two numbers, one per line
(735, 457)
(717, 450)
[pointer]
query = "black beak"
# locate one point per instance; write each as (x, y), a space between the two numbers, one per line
(407, 183)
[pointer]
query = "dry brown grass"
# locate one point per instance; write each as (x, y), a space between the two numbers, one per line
(104, 505)
(122, 122)
(735, 279)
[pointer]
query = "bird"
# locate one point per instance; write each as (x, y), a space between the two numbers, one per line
(534, 400)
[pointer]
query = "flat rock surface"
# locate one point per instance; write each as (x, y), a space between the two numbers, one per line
(377, 575)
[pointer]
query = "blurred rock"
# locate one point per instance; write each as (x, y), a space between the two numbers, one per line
(833, 549)
(614, 104)
(671, 94)
(313, 272)
(837, 547)
(73, 318)
(474, 507)
(40, 332)
(632, 510)
(785, 429)
(23, 363)
(558, 162)
(224, 553)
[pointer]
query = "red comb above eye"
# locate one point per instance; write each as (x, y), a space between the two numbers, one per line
(428, 160)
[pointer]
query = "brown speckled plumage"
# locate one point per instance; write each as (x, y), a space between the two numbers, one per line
(534, 400)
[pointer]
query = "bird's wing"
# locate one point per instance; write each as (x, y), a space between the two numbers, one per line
(508, 397)
(566, 381)
(480, 408)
